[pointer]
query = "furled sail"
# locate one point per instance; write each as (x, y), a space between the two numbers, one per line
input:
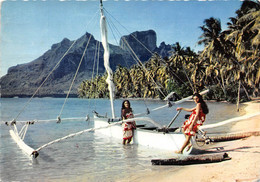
(109, 80)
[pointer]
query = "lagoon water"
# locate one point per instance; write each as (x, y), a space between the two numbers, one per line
(87, 157)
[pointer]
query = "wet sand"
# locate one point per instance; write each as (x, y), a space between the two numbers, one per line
(243, 167)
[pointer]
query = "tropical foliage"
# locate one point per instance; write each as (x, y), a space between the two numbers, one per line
(233, 55)
(228, 64)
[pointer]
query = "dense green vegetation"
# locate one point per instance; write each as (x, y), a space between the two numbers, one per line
(229, 65)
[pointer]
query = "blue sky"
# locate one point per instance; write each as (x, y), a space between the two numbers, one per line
(29, 28)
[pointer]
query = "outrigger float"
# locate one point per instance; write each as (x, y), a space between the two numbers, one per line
(165, 138)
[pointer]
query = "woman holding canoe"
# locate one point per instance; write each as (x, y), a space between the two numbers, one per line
(196, 119)
(127, 113)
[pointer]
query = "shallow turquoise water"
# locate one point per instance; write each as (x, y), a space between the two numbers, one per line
(89, 156)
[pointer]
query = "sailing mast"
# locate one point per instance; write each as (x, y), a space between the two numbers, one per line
(109, 80)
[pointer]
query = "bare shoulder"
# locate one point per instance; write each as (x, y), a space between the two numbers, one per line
(198, 105)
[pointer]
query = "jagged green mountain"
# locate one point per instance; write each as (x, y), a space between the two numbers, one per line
(22, 80)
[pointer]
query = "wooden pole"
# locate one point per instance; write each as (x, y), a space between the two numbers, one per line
(238, 95)
(229, 137)
(192, 159)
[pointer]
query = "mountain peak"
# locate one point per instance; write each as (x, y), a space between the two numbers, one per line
(23, 80)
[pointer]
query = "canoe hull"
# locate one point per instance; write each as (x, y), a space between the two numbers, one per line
(171, 141)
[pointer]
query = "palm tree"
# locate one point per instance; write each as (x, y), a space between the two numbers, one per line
(244, 33)
(233, 54)
(211, 31)
(123, 81)
(216, 52)
(155, 79)
(181, 59)
(138, 79)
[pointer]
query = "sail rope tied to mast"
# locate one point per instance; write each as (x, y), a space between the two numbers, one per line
(48, 76)
(27, 103)
(72, 83)
(134, 56)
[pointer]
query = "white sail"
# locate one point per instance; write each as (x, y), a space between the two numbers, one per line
(109, 80)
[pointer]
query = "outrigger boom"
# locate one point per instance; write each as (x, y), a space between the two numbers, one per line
(18, 137)
(164, 140)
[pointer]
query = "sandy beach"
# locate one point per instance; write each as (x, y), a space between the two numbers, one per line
(243, 167)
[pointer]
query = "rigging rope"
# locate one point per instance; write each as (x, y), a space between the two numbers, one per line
(75, 76)
(139, 61)
(95, 60)
(95, 67)
(142, 45)
(27, 103)
(132, 53)
(133, 57)
(129, 32)
(97, 70)
(193, 90)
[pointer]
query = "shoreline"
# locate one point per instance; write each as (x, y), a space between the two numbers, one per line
(245, 154)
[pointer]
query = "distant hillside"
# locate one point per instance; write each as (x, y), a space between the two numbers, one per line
(22, 80)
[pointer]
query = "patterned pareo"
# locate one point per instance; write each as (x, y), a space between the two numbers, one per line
(198, 123)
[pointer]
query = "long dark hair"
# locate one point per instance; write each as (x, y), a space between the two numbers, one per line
(125, 110)
(203, 103)
(123, 105)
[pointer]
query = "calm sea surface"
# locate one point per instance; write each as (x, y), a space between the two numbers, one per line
(87, 157)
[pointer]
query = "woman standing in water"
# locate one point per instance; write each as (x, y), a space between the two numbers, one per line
(195, 120)
(127, 113)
